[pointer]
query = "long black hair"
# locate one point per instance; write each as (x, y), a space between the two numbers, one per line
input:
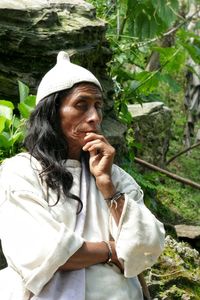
(46, 142)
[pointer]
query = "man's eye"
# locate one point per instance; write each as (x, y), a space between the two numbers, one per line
(82, 106)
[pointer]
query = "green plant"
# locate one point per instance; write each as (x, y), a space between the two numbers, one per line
(136, 31)
(12, 122)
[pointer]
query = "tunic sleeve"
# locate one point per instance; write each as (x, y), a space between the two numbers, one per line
(139, 236)
(35, 244)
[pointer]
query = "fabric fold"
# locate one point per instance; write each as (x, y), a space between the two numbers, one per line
(70, 285)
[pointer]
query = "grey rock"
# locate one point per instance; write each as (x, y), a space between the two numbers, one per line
(138, 110)
(38, 4)
(33, 32)
(152, 130)
(188, 231)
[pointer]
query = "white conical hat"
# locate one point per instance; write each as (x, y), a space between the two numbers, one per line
(63, 76)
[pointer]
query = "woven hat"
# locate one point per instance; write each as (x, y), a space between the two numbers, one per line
(63, 75)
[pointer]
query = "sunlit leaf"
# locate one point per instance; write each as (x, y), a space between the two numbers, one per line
(30, 100)
(171, 59)
(193, 51)
(2, 123)
(185, 35)
(23, 91)
(25, 109)
(6, 109)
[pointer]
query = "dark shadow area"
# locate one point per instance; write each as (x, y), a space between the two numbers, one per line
(3, 262)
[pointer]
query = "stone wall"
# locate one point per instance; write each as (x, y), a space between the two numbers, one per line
(32, 33)
(152, 131)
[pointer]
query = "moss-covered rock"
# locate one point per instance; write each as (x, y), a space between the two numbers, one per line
(176, 275)
(32, 33)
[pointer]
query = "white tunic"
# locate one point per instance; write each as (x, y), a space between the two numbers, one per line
(37, 237)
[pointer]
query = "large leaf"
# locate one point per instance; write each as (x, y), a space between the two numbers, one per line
(6, 109)
(124, 114)
(27, 106)
(193, 51)
(148, 81)
(171, 59)
(149, 18)
(166, 10)
(25, 110)
(184, 35)
(144, 25)
(7, 141)
(4, 140)
(30, 101)
(23, 91)
(2, 123)
(16, 123)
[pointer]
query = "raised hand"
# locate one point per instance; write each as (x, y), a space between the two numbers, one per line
(101, 154)
(101, 160)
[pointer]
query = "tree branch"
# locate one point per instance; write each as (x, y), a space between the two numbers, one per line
(169, 174)
(182, 152)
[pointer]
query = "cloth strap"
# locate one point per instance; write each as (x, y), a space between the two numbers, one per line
(70, 285)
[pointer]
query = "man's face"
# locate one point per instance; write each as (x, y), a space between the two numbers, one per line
(81, 113)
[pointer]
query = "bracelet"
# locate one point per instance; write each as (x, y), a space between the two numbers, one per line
(113, 200)
(109, 260)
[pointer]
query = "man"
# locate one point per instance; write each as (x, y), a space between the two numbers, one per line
(79, 226)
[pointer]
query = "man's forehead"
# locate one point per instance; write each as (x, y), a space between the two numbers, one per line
(87, 90)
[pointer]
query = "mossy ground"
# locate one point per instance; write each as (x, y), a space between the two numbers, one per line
(175, 276)
(177, 203)
(181, 201)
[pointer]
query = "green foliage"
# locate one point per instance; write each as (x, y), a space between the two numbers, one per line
(183, 203)
(149, 18)
(147, 182)
(184, 38)
(12, 121)
(135, 29)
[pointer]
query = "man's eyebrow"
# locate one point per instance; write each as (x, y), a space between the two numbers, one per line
(85, 97)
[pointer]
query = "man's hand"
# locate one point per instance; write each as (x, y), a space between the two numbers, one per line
(101, 160)
(101, 155)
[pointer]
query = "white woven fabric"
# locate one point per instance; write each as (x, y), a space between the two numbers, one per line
(63, 75)
(70, 285)
(44, 236)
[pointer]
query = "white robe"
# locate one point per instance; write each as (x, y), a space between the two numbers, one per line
(37, 237)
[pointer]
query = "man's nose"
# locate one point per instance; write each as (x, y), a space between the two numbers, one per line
(94, 115)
